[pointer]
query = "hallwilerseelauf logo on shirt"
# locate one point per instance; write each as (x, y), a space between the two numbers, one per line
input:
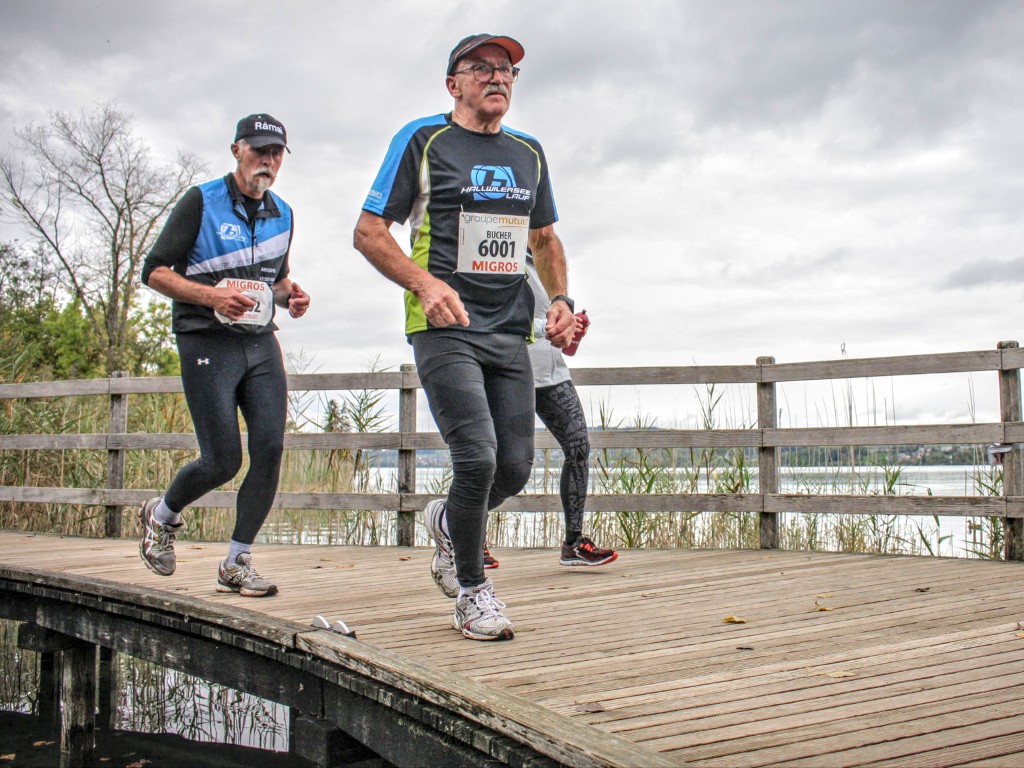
(231, 232)
(494, 182)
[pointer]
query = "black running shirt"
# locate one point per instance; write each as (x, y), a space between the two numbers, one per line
(470, 199)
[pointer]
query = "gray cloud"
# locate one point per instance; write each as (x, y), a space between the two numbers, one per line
(734, 178)
(985, 271)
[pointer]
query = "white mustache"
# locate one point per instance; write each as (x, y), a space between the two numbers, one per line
(496, 88)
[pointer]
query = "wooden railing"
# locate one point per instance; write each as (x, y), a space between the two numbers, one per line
(1007, 360)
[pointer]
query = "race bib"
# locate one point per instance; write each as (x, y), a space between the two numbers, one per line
(493, 243)
(256, 290)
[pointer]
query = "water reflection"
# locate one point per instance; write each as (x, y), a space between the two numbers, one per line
(151, 699)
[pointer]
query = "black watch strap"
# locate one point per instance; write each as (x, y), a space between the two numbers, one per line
(562, 297)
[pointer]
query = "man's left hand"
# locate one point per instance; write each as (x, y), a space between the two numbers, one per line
(298, 301)
(561, 325)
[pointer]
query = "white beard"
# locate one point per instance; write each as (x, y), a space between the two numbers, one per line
(261, 183)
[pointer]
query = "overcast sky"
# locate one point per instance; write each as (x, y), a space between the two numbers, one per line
(734, 178)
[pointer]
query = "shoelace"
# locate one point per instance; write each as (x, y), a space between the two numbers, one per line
(246, 569)
(162, 536)
(487, 603)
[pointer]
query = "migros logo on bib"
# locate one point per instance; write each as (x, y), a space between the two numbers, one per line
(245, 285)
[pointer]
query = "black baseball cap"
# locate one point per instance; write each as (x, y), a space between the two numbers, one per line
(471, 43)
(261, 130)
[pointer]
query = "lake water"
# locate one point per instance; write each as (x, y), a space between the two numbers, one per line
(946, 536)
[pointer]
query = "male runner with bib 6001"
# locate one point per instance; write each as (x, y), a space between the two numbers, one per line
(477, 196)
(223, 259)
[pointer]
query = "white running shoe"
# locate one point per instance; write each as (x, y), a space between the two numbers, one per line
(242, 578)
(442, 566)
(157, 545)
(478, 615)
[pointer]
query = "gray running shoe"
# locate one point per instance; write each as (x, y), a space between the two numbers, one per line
(157, 545)
(242, 578)
(442, 566)
(478, 615)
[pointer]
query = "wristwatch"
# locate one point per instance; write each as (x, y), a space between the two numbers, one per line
(562, 297)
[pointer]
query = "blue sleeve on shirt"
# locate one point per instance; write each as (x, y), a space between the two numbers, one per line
(383, 185)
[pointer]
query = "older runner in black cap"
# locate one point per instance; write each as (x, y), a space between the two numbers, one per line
(223, 259)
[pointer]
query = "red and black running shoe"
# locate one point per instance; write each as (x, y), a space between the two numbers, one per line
(584, 552)
(489, 561)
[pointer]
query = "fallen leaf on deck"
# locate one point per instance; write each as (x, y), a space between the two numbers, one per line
(403, 559)
(197, 546)
(1019, 634)
(922, 589)
(347, 565)
(733, 620)
(822, 607)
(824, 595)
(744, 648)
(591, 706)
(840, 673)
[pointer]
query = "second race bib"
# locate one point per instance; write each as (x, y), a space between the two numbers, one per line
(256, 290)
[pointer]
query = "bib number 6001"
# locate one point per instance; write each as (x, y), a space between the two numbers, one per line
(503, 249)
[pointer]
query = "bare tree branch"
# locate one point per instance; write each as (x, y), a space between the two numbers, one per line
(85, 187)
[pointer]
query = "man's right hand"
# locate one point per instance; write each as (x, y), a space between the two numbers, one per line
(441, 304)
(231, 303)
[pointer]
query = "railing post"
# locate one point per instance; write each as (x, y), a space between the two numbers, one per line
(115, 457)
(407, 457)
(1013, 469)
(767, 459)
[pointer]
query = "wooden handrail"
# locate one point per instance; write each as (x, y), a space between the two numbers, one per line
(767, 438)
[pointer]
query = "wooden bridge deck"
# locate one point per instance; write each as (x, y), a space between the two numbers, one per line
(841, 659)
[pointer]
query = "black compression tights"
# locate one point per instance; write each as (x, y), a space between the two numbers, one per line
(480, 390)
(223, 374)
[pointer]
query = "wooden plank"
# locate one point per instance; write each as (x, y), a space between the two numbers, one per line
(505, 713)
(148, 385)
(647, 439)
(926, 434)
(660, 375)
(974, 506)
(67, 388)
(904, 365)
(670, 438)
(639, 502)
(345, 381)
(54, 442)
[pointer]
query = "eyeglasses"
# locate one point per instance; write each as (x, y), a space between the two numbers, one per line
(484, 72)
